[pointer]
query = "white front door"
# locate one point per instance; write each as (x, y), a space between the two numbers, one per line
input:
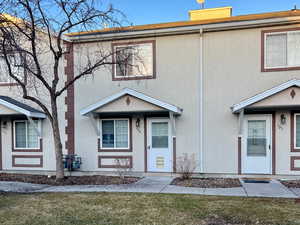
(159, 146)
(257, 144)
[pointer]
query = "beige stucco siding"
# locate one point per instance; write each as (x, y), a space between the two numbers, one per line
(177, 66)
(232, 73)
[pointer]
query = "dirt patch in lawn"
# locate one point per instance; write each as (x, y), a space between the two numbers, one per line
(291, 183)
(208, 182)
(73, 180)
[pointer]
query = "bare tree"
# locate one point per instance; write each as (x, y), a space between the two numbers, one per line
(31, 29)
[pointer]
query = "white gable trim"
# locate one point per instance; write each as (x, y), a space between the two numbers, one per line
(237, 107)
(128, 91)
(21, 110)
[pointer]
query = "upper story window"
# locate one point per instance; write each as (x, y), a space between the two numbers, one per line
(281, 50)
(134, 60)
(16, 68)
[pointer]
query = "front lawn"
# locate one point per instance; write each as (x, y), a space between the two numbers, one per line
(148, 209)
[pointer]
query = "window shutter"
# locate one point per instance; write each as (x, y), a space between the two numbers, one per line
(276, 50)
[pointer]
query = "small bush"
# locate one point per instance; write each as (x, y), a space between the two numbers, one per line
(186, 165)
(123, 167)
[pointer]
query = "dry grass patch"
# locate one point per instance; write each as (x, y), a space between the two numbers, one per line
(133, 209)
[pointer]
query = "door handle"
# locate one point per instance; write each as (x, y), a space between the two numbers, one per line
(148, 147)
(269, 147)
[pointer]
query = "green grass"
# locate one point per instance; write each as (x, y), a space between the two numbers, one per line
(149, 209)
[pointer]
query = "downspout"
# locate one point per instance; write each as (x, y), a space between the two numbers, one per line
(201, 101)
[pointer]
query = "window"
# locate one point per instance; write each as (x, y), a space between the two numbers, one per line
(160, 135)
(134, 60)
(25, 135)
(16, 66)
(256, 140)
(282, 50)
(115, 134)
(297, 131)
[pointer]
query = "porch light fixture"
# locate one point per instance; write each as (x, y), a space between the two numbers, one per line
(282, 119)
(137, 123)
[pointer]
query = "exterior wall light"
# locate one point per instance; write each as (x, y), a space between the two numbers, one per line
(283, 119)
(137, 123)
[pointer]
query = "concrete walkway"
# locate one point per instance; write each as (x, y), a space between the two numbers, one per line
(162, 185)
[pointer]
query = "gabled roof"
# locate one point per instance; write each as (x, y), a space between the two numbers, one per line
(21, 107)
(240, 18)
(237, 107)
(128, 91)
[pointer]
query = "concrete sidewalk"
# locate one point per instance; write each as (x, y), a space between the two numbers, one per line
(162, 185)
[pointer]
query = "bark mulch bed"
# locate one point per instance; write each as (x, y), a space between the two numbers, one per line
(71, 180)
(291, 183)
(208, 182)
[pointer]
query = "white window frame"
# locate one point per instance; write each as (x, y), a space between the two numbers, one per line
(128, 46)
(287, 66)
(26, 122)
(295, 128)
(101, 137)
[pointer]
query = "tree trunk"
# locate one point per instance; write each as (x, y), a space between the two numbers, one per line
(57, 143)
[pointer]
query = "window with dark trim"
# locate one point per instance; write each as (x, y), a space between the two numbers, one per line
(134, 60)
(25, 135)
(281, 50)
(115, 134)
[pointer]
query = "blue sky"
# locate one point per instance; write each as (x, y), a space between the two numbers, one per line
(157, 11)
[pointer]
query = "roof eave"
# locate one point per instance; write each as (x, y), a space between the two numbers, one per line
(188, 29)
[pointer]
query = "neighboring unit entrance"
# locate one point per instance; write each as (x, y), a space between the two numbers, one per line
(159, 151)
(257, 144)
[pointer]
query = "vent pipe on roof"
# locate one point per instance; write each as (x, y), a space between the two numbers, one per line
(213, 13)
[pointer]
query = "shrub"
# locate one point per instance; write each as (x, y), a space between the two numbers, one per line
(123, 167)
(186, 165)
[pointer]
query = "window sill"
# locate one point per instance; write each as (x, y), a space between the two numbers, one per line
(8, 84)
(280, 69)
(114, 150)
(27, 150)
(134, 78)
(295, 149)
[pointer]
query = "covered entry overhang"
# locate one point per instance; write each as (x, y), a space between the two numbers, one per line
(259, 119)
(141, 103)
(12, 107)
(150, 117)
(129, 102)
(282, 96)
